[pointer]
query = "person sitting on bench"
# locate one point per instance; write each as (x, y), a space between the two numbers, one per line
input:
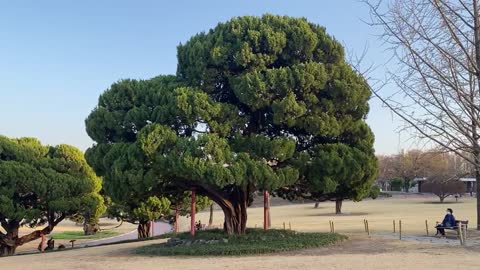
(448, 222)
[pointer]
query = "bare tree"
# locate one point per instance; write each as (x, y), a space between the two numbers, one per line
(444, 187)
(406, 165)
(436, 47)
(443, 175)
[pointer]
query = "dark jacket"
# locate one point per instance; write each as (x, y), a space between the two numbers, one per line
(449, 221)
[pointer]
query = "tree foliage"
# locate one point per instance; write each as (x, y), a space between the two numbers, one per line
(123, 155)
(42, 185)
(285, 78)
(254, 106)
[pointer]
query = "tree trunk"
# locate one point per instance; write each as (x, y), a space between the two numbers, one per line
(317, 203)
(338, 206)
(235, 218)
(442, 198)
(477, 178)
(269, 216)
(10, 244)
(476, 23)
(233, 202)
(210, 220)
(90, 229)
(143, 229)
(7, 250)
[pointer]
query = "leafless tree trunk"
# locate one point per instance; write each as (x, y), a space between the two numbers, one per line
(210, 220)
(338, 206)
(436, 47)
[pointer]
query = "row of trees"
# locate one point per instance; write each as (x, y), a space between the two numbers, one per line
(258, 104)
(438, 172)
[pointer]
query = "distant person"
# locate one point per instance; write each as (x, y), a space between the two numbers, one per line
(198, 225)
(448, 222)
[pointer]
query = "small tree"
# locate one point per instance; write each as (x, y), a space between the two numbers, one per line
(335, 173)
(444, 187)
(41, 185)
(142, 213)
(396, 184)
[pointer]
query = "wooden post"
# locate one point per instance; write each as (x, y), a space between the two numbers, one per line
(464, 234)
(284, 228)
(333, 227)
(400, 228)
(368, 228)
(426, 226)
(394, 226)
(460, 233)
(265, 210)
(192, 214)
(365, 225)
(330, 223)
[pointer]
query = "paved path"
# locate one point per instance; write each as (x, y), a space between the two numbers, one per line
(159, 228)
(450, 240)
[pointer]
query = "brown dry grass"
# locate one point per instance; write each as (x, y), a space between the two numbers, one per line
(380, 213)
(360, 252)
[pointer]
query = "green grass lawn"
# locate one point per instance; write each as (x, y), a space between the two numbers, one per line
(71, 235)
(254, 241)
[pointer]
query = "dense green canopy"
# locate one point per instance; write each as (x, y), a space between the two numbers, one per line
(139, 192)
(41, 185)
(258, 103)
(302, 105)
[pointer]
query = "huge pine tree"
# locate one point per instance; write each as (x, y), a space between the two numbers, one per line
(258, 104)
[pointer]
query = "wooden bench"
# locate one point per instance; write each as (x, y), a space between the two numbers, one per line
(457, 223)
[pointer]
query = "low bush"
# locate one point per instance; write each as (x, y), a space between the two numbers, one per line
(254, 241)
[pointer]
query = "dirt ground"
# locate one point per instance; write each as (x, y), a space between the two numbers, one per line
(360, 252)
(67, 225)
(412, 210)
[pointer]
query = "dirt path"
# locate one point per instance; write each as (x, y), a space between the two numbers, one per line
(159, 228)
(357, 253)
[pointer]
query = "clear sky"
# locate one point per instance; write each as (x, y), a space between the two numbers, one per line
(57, 57)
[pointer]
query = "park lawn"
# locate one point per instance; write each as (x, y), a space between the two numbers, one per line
(413, 211)
(255, 241)
(77, 235)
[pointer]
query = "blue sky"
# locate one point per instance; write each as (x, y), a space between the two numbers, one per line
(57, 57)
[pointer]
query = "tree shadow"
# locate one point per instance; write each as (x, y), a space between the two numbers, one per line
(340, 215)
(438, 202)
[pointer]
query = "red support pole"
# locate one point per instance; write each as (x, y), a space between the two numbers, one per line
(42, 243)
(175, 228)
(192, 214)
(265, 210)
(152, 225)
